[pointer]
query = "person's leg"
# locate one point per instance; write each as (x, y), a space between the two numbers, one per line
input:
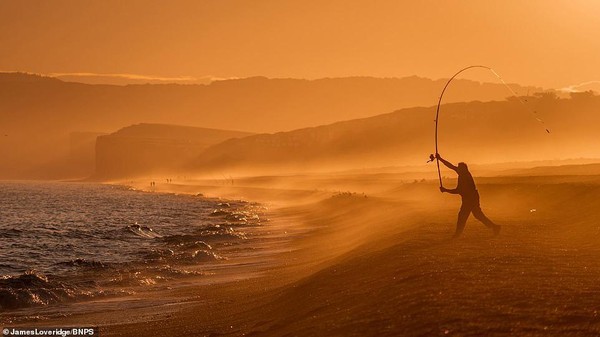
(478, 214)
(463, 215)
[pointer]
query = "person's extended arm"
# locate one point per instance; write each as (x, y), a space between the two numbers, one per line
(445, 162)
(452, 191)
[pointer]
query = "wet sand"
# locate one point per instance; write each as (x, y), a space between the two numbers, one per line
(382, 263)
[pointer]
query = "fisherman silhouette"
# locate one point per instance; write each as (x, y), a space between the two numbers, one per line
(470, 197)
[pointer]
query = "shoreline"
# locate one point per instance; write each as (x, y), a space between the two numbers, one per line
(241, 266)
(381, 263)
(174, 293)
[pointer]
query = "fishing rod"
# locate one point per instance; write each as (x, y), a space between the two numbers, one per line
(437, 112)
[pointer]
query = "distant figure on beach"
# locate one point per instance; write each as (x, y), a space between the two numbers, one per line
(470, 197)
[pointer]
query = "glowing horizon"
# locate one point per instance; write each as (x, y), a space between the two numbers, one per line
(541, 43)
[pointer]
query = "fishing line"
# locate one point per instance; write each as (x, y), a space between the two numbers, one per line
(520, 100)
(437, 112)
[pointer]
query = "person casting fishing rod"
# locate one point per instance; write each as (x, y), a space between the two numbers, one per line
(470, 197)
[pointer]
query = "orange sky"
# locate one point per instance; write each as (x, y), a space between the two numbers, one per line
(546, 43)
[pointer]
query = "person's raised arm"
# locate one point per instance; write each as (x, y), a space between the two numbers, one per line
(445, 162)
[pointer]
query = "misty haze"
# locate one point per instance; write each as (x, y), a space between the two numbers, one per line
(289, 168)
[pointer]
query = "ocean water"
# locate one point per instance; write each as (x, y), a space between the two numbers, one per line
(66, 242)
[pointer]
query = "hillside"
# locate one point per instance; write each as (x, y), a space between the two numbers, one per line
(146, 149)
(39, 113)
(474, 132)
(255, 104)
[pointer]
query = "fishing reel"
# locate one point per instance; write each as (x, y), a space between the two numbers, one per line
(431, 158)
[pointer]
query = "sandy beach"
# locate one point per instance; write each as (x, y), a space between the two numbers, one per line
(300, 168)
(379, 261)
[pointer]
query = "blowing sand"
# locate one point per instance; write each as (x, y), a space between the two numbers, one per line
(382, 264)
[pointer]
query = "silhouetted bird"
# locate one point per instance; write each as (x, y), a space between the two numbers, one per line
(470, 197)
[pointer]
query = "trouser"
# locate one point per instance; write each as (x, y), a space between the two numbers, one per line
(471, 205)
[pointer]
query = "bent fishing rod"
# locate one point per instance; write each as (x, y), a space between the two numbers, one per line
(437, 112)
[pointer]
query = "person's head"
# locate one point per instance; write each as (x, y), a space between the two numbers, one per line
(462, 168)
